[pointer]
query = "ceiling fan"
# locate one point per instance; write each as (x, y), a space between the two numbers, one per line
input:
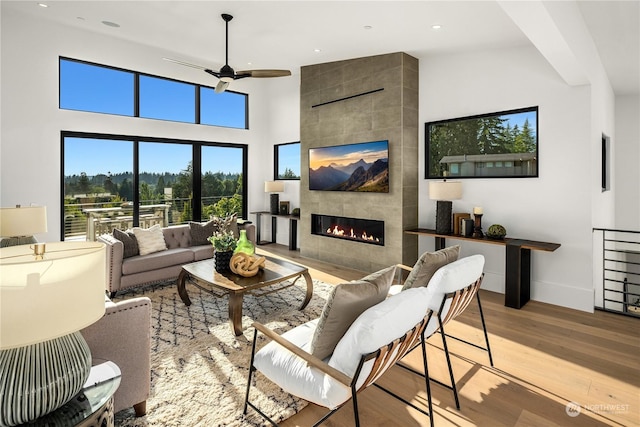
(227, 74)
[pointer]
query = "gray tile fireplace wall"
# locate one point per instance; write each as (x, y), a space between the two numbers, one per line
(361, 100)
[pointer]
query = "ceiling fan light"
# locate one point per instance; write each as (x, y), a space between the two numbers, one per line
(226, 79)
(221, 87)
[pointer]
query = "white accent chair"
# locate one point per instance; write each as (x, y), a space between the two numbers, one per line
(378, 338)
(450, 291)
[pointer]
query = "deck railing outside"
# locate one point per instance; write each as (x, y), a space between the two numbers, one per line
(86, 221)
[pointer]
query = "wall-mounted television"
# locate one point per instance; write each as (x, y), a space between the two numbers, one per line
(362, 167)
(495, 145)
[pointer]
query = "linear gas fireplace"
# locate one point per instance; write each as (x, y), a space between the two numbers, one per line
(359, 230)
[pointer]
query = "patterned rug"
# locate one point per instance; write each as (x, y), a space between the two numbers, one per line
(199, 368)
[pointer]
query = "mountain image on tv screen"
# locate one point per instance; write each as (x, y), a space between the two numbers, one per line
(362, 167)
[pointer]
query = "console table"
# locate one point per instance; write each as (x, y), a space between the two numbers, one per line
(293, 228)
(517, 261)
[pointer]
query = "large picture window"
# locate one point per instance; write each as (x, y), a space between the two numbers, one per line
(495, 145)
(116, 181)
(86, 86)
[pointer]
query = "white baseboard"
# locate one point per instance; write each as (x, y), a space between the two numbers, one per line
(551, 293)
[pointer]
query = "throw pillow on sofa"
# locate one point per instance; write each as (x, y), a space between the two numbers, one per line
(200, 232)
(129, 241)
(345, 303)
(150, 239)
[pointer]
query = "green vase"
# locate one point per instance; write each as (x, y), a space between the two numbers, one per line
(244, 244)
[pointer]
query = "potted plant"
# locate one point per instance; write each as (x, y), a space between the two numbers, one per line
(223, 245)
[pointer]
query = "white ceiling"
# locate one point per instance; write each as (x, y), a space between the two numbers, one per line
(284, 34)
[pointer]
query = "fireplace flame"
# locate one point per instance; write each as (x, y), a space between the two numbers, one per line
(337, 231)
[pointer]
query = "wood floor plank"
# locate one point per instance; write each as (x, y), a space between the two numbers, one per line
(546, 357)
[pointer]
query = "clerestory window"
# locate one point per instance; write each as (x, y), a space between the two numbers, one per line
(86, 86)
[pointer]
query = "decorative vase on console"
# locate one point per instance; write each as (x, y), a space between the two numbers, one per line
(244, 244)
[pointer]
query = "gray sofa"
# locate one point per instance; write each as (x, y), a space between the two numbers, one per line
(138, 270)
(113, 339)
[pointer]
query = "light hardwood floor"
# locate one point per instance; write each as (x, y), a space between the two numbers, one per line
(545, 357)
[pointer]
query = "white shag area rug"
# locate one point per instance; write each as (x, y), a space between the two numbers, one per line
(199, 368)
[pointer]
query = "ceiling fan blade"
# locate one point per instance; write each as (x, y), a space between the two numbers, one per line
(226, 74)
(199, 67)
(221, 86)
(264, 73)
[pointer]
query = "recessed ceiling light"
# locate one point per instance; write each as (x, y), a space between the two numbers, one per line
(43, 5)
(368, 27)
(317, 50)
(436, 27)
(111, 24)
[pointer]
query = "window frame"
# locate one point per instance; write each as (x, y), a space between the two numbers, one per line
(136, 95)
(142, 102)
(134, 87)
(276, 162)
(196, 164)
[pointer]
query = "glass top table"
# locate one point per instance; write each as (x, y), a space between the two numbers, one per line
(97, 392)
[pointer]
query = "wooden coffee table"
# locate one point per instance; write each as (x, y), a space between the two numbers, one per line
(203, 275)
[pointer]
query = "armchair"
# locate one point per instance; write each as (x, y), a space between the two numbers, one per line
(123, 336)
(449, 292)
(375, 341)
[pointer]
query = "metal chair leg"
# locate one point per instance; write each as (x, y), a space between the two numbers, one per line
(355, 405)
(446, 352)
(251, 369)
(484, 328)
(426, 377)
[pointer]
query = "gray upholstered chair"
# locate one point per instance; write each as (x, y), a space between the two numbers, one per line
(123, 336)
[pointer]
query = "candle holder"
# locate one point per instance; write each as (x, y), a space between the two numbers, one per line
(477, 230)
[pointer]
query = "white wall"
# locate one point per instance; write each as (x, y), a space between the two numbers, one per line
(556, 207)
(282, 109)
(31, 120)
(626, 168)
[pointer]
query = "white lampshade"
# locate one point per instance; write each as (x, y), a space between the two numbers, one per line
(445, 190)
(23, 221)
(273, 186)
(43, 299)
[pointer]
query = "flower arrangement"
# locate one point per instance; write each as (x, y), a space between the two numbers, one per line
(223, 241)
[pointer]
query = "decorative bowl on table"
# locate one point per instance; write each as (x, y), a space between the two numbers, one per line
(496, 231)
